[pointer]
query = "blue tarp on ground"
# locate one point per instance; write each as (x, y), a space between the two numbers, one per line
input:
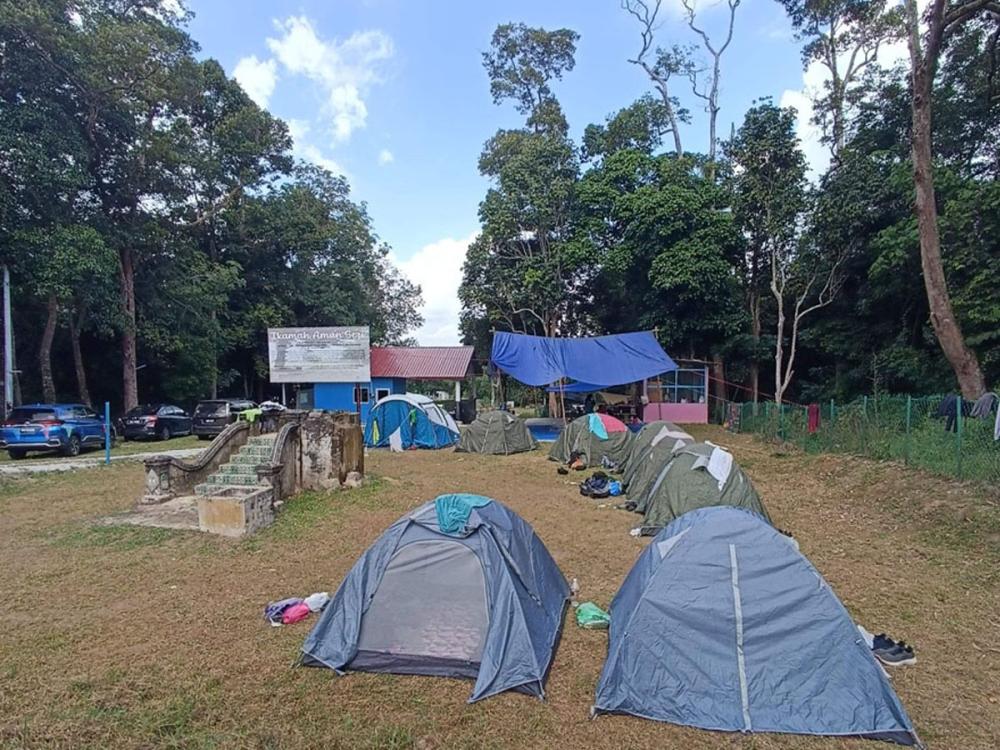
(723, 624)
(605, 360)
(408, 590)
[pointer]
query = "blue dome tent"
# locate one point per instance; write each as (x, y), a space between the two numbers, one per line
(460, 587)
(408, 421)
(723, 624)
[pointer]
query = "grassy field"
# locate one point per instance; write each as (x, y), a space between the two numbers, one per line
(122, 448)
(138, 638)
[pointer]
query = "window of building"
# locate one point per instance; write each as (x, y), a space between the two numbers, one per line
(381, 393)
(360, 395)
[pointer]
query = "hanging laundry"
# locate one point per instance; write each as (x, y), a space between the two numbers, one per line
(813, 418)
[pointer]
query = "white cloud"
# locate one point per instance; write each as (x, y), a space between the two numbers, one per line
(257, 77)
(345, 70)
(437, 268)
(385, 156)
(305, 149)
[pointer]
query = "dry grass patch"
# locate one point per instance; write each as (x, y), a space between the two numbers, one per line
(115, 637)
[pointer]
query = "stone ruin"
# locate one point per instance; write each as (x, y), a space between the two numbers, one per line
(241, 480)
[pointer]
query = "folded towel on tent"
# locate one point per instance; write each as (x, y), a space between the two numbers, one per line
(720, 463)
(597, 426)
(453, 511)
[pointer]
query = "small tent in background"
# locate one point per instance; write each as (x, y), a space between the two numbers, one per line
(598, 439)
(496, 433)
(409, 421)
(461, 587)
(723, 624)
(697, 476)
(651, 436)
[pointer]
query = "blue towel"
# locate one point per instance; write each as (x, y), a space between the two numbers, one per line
(597, 427)
(453, 511)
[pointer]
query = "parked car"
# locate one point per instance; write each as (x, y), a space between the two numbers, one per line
(161, 421)
(66, 428)
(211, 417)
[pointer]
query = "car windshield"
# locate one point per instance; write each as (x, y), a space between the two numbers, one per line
(22, 415)
(145, 410)
(211, 409)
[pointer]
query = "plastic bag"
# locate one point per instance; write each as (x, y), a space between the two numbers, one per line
(592, 617)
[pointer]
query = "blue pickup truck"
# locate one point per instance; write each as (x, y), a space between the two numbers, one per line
(65, 428)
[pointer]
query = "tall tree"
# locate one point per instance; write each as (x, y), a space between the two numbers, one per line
(844, 36)
(942, 19)
(659, 64)
(710, 91)
(770, 202)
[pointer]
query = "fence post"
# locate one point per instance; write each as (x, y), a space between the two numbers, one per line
(909, 419)
(960, 424)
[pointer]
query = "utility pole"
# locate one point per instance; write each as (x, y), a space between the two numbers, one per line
(8, 346)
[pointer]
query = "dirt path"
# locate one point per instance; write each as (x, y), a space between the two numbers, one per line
(138, 637)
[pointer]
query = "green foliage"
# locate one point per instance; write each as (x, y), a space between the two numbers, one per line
(123, 151)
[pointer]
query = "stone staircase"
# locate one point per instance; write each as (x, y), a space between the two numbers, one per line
(239, 476)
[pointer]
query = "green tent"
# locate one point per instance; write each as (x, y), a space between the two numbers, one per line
(577, 437)
(653, 435)
(496, 433)
(685, 482)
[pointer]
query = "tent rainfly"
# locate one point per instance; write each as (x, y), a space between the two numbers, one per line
(460, 587)
(496, 433)
(598, 439)
(409, 421)
(722, 624)
(696, 475)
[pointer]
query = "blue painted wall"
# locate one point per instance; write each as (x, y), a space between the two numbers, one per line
(340, 396)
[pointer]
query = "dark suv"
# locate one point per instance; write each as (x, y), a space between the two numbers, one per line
(212, 417)
(161, 421)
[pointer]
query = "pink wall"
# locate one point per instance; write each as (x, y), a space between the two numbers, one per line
(679, 413)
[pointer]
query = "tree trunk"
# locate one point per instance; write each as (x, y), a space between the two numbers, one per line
(45, 350)
(81, 372)
(214, 386)
(755, 327)
(962, 359)
(719, 379)
(130, 386)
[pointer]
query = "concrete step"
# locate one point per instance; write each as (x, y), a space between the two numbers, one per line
(233, 479)
(250, 459)
(267, 440)
(261, 451)
(234, 470)
(207, 489)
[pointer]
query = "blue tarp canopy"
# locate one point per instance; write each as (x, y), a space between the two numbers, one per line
(575, 388)
(600, 361)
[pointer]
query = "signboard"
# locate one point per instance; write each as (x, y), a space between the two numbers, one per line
(319, 355)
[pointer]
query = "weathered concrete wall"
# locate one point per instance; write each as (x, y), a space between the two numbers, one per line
(236, 515)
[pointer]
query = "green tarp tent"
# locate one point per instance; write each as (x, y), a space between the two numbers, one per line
(577, 437)
(653, 437)
(496, 433)
(697, 476)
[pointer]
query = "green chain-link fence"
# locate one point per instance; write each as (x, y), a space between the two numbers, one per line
(887, 427)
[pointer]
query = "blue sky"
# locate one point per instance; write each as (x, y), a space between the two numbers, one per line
(393, 94)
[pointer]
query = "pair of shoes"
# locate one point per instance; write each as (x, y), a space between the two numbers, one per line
(562, 470)
(892, 653)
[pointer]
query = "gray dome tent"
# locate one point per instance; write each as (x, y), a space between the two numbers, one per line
(697, 475)
(722, 624)
(582, 436)
(496, 433)
(460, 587)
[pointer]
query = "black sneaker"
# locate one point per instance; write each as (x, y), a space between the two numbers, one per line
(897, 656)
